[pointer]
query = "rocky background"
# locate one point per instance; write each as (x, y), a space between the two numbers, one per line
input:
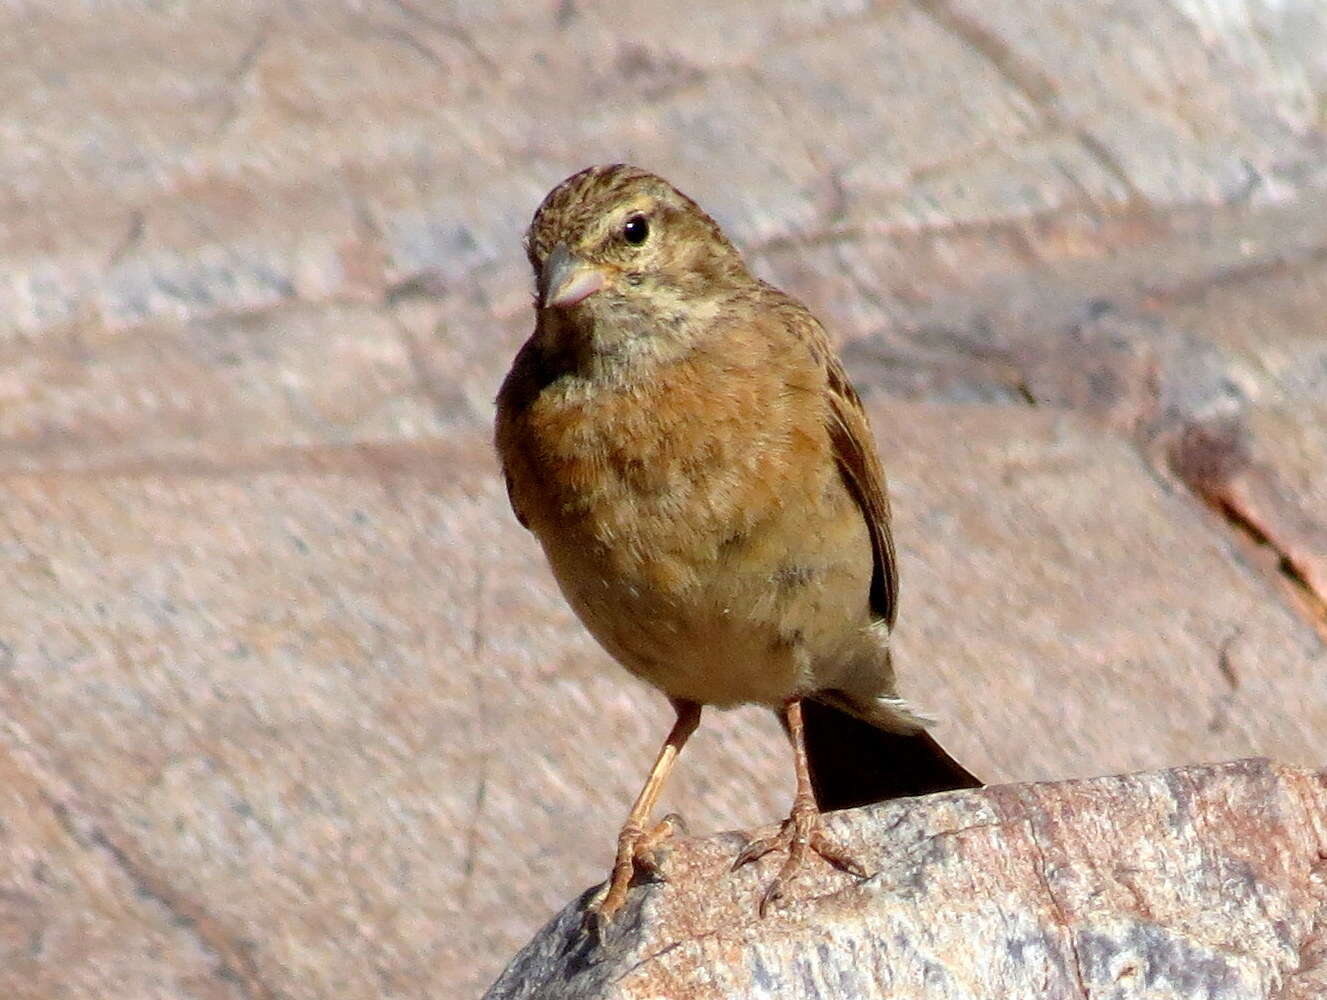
(289, 706)
(1204, 882)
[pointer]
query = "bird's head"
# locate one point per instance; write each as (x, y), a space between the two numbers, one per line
(617, 248)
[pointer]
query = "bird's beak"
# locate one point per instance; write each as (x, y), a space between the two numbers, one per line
(565, 279)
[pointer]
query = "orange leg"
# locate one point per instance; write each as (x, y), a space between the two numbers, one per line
(635, 845)
(801, 831)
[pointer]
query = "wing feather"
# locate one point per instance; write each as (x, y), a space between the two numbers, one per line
(853, 448)
(854, 451)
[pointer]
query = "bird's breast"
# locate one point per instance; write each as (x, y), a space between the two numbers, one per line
(682, 523)
(661, 477)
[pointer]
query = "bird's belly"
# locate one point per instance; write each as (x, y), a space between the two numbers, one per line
(700, 649)
(746, 622)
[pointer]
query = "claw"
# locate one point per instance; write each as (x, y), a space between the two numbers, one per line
(650, 846)
(594, 925)
(836, 855)
(758, 848)
(773, 892)
(637, 851)
(801, 832)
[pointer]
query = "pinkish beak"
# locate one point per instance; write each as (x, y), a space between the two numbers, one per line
(565, 279)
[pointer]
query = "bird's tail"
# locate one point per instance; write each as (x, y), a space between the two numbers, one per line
(854, 764)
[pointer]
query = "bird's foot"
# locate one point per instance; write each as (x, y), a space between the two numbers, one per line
(801, 832)
(637, 850)
(647, 853)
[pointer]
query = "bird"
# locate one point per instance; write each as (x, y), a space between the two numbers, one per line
(684, 443)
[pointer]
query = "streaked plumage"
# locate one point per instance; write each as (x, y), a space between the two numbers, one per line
(686, 447)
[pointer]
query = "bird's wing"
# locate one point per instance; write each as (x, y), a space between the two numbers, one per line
(530, 372)
(511, 499)
(853, 447)
(854, 451)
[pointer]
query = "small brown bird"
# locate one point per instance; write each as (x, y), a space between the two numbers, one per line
(684, 443)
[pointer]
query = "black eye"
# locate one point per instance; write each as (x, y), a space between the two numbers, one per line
(636, 230)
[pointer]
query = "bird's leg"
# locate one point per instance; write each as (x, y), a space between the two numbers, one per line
(634, 844)
(801, 831)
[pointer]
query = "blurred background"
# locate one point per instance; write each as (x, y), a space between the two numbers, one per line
(289, 706)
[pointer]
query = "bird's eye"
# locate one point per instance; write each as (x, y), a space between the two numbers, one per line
(636, 230)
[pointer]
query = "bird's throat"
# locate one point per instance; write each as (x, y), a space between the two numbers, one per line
(606, 344)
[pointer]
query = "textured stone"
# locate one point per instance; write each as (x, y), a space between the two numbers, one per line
(198, 388)
(269, 637)
(1201, 882)
(331, 697)
(1161, 116)
(1268, 474)
(353, 660)
(81, 919)
(1030, 627)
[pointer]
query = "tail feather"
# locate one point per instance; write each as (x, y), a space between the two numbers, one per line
(854, 764)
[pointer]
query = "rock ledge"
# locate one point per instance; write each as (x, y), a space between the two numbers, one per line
(1204, 881)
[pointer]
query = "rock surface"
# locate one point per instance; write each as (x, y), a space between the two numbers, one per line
(1201, 882)
(289, 706)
